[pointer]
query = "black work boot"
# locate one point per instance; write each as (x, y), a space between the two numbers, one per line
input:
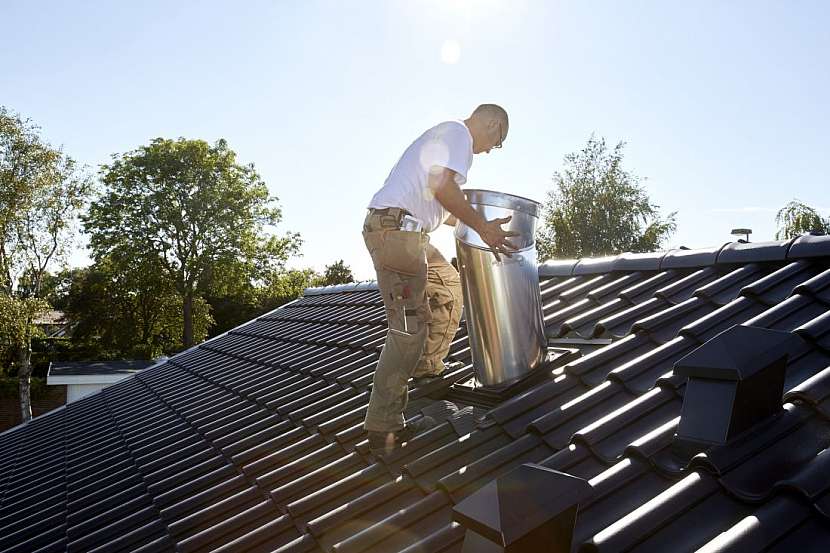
(383, 443)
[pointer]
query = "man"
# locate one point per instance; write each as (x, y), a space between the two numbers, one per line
(420, 290)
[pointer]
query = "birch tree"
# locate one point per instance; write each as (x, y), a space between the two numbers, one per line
(42, 192)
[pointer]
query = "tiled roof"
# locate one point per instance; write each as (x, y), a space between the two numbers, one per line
(253, 442)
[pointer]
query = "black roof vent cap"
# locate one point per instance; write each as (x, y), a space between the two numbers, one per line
(736, 380)
(530, 509)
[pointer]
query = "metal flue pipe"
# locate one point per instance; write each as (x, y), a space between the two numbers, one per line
(502, 301)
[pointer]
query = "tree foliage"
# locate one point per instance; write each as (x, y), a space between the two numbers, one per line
(797, 218)
(16, 329)
(189, 210)
(128, 314)
(336, 273)
(41, 193)
(598, 208)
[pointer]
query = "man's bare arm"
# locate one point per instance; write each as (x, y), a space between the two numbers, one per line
(451, 221)
(449, 194)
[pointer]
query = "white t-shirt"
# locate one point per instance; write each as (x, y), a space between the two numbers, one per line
(448, 144)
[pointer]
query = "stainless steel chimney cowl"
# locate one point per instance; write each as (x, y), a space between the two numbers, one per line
(502, 300)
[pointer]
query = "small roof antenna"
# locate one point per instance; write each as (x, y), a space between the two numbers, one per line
(740, 231)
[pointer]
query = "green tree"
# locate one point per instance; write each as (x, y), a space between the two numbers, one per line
(55, 287)
(191, 211)
(16, 328)
(598, 208)
(336, 273)
(286, 286)
(41, 194)
(796, 218)
(128, 313)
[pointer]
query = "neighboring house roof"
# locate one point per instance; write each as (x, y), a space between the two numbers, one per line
(252, 441)
(51, 317)
(55, 322)
(119, 367)
(99, 372)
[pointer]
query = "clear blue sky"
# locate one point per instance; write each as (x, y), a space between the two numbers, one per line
(723, 104)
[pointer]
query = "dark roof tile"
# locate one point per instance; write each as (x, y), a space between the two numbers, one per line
(800, 462)
(615, 490)
(782, 524)
(253, 441)
(664, 325)
(526, 449)
(814, 391)
(435, 464)
(365, 512)
(557, 427)
(726, 288)
(619, 324)
(708, 326)
(595, 367)
(817, 287)
(401, 529)
(645, 287)
(609, 436)
(257, 529)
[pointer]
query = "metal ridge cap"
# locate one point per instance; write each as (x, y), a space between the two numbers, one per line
(809, 245)
(754, 252)
(595, 265)
(690, 258)
(640, 261)
(675, 258)
(359, 286)
(557, 267)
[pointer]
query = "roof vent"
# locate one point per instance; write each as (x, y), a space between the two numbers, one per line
(736, 379)
(531, 509)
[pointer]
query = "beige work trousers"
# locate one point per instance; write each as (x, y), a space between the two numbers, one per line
(422, 296)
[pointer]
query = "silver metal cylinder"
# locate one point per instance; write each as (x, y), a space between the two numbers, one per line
(502, 301)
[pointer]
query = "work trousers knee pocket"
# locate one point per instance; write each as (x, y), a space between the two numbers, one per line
(445, 301)
(401, 353)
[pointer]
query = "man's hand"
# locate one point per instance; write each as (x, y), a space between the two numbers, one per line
(497, 238)
(449, 194)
